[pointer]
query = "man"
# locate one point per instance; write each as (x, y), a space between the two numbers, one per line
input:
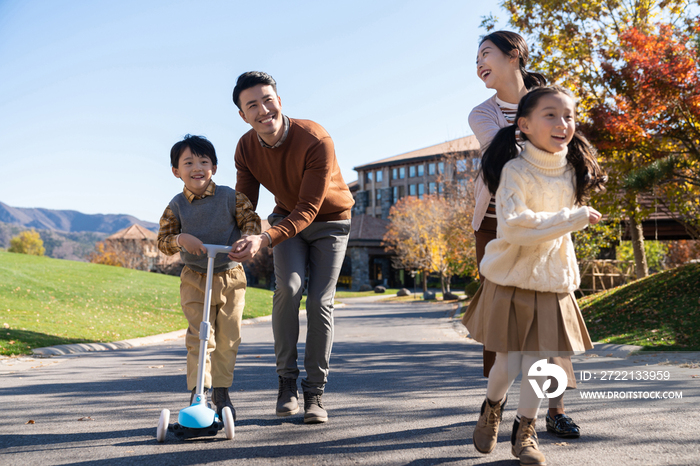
(295, 160)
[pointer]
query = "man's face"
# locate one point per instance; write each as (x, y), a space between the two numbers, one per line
(262, 109)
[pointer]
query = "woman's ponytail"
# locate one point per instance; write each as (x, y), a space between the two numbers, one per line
(532, 79)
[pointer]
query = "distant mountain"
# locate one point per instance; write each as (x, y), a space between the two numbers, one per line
(69, 221)
(59, 245)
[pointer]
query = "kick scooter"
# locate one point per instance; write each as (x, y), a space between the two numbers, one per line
(199, 420)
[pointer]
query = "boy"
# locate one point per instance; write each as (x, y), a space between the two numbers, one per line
(211, 214)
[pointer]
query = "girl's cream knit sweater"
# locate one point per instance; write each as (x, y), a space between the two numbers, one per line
(536, 215)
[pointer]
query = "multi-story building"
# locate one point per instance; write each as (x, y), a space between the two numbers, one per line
(381, 184)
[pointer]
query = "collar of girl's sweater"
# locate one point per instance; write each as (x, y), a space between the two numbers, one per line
(548, 162)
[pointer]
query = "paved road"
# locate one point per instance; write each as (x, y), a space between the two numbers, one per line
(404, 389)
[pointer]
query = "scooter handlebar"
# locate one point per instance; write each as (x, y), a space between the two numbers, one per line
(214, 249)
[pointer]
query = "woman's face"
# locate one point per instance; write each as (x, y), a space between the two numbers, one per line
(494, 67)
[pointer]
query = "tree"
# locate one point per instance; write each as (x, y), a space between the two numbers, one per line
(649, 128)
(571, 38)
(430, 235)
(27, 242)
(573, 41)
(106, 254)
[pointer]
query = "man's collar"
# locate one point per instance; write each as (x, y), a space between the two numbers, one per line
(190, 196)
(282, 139)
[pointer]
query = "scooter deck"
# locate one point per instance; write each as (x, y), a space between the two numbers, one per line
(183, 433)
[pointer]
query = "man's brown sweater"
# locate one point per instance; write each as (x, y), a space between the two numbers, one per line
(302, 173)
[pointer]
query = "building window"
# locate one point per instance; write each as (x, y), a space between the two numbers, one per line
(412, 171)
(378, 176)
(421, 169)
(432, 188)
(441, 188)
(402, 173)
(368, 177)
(461, 166)
(394, 174)
(421, 190)
(441, 167)
(476, 163)
(398, 193)
(412, 190)
(431, 169)
(463, 186)
(378, 195)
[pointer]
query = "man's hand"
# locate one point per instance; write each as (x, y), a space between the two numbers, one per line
(191, 244)
(593, 216)
(247, 247)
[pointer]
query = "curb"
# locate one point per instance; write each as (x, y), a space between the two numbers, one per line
(62, 350)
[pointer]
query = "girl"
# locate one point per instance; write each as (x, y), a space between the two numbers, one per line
(525, 309)
(500, 63)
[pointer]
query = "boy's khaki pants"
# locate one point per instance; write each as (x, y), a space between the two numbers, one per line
(225, 313)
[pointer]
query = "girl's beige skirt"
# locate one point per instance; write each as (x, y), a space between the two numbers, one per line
(507, 318)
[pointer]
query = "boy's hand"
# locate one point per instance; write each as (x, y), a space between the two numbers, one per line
(191, 244)
(593, 216)
(247, 247)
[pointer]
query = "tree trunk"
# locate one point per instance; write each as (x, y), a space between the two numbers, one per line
(442, 282)
(424, 274)
(637, 233)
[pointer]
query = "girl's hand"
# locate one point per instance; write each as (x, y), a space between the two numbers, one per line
(191, 244)
(593, 216)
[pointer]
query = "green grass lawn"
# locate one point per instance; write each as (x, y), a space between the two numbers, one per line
(660, 312)
(46, 302)
(362, 294)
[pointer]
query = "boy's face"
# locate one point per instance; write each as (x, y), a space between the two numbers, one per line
(194, 171)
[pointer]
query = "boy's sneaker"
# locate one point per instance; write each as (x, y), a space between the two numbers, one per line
(220, 398)
(486, 431)
(525, 444)
(313, 409)
(287, 397)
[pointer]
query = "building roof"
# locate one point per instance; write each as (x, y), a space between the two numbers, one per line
(467, 143)
(367, 227)
(134, 232)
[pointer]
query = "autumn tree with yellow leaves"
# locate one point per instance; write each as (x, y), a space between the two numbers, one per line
(431, 235)
(27, 242)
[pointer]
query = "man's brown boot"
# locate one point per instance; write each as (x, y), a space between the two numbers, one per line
(287, 397)
(486, 430)
(525, 444)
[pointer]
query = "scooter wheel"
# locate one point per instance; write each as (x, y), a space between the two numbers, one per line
(162, 430)
(228, 422)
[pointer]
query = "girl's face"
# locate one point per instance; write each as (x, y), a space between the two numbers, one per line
(494, 67)
(551, 124)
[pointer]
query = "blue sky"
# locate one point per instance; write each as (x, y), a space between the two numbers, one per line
(94, 93)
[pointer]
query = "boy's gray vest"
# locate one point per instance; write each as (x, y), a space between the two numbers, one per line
(212, 220)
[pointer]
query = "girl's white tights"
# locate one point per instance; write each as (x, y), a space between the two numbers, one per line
(504, 371)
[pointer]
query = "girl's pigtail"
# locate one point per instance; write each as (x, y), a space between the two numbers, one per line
(589, 175)
(503, 147)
